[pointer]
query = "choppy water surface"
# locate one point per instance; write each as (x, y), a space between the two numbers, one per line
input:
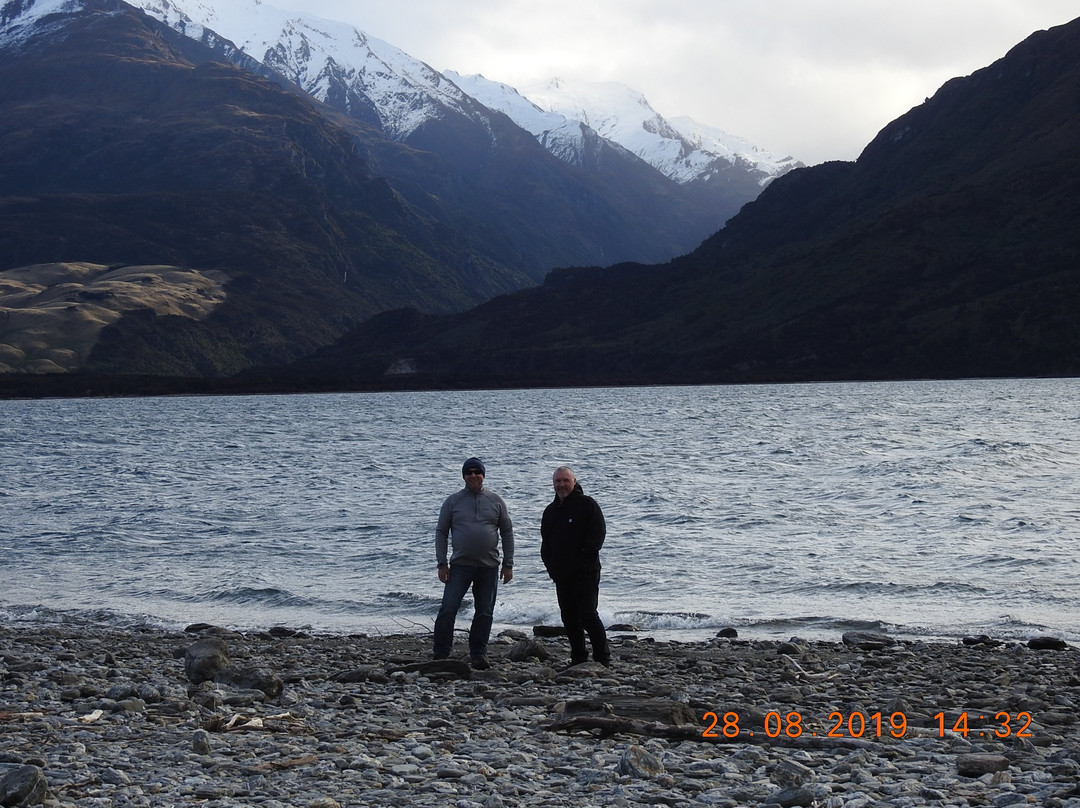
(929, 508)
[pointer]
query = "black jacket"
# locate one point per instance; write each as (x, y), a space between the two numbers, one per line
(572, 533)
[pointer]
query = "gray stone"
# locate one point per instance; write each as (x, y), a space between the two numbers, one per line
(418, 741)
(209, 699)
(244, 698)
(868, 640)
(365, 673)
(796, 646)
(527, 649)
(983, 639)
(976, 764)
(115, 777)
(1009, 798)
(792, 796)
(200, 742)
(789, 773)
(204, 658)
(637, 761)
(252, 678)
(121, 690)
(1056, 718)
(23, 785)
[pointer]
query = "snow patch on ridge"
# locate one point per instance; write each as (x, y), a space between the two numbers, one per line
(19, 17)
(717, 141)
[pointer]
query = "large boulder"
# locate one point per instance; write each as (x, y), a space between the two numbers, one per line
(205, 658)
(22, 785)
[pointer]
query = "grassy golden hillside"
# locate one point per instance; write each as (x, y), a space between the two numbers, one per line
(51, 315)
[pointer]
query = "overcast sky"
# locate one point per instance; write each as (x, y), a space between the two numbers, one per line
(816, 79)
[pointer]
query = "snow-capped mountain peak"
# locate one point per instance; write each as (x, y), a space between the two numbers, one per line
(572, 141)
(377, 82)
(323, 57)
(682, 149)
(607, 129)
(562, 115)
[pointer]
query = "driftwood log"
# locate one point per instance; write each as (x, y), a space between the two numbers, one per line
(613, 725)
(675, 721)
(438, 668)
(661, 711)
(549, 631)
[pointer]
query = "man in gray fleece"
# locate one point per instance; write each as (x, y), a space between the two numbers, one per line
(473, 520)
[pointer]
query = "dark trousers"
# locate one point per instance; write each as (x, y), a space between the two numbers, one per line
(485, 586)
(577, 604)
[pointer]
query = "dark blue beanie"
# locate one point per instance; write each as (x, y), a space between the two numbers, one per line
(473, 463)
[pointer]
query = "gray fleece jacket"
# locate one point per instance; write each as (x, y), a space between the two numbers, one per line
(473, 523)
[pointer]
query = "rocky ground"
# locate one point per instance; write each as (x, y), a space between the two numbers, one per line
(97, 717)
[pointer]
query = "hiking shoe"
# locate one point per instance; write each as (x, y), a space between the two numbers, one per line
(480, 663)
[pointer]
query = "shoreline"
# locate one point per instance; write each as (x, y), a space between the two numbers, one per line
(108, 716)
(81, 619)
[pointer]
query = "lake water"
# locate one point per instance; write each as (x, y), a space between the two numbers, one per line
(935, 509)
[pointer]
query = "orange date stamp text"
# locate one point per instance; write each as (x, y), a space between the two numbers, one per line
(859, 724)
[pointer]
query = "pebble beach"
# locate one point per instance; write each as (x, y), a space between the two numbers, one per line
(96, 716)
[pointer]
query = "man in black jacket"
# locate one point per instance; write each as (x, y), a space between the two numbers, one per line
(572, 532)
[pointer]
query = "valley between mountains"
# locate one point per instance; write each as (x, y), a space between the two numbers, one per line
(240, 198)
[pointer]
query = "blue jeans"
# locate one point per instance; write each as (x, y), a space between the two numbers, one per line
(485, 586)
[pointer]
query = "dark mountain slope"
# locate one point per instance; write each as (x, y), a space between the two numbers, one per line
(534, 211)
(1007, 119)
(473, 165)
(118, 145)
(950, 248)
